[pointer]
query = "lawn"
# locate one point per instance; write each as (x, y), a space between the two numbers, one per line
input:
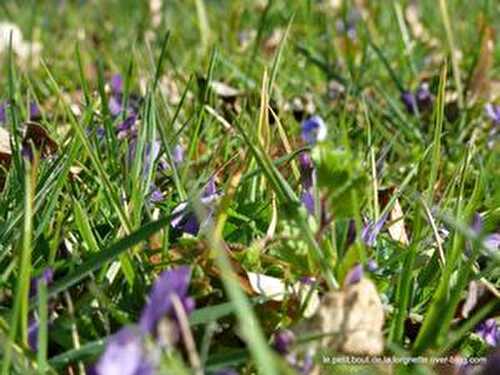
(238, 187)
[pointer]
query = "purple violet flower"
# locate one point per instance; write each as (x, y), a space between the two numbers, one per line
(27, 152)
(371, 230)
(116, 84)
(477, 223)
(307, 176)
(115, 105)
(35, 113)
(3, 114)
(306, 167)
(493, 112)
(492, 366)
(351, 233)
(127, 128)
(314, 130)
(488, 331)
(307, 280)
(100, 133)
(409, 100)
(184, 218)
(151, 154)
(156, 196)
(424, 97)
(492, 242)
(354, 276)
(47, 277)
(178, 154)
(169, 283)
(307, 200)
(283, 340)
(421, 99)
(124, 355)
(33, 334)
(115, 100)
(372, 265)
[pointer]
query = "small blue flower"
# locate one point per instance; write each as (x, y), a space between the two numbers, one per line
(488, 331)
(493, 112)
(3, 112)
(125, 352)
(314, 130)
(127, 128)
(35, 113)
(372, 265)
(371, 230)
(178, 154)
(116, 84)
(421, 99)
(46, 277)
(354, 276)
(33, 327)
(492, 366)
(124, 355)
(169, 283)
(492, 242)
(115, 105)
(156, 196)
(116, 99)
(477, 223)
(283, 340)
(306, 167)
(184, 218)
(410, 102)
(307, 199)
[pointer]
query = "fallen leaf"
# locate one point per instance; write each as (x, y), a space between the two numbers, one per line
(276, 289)
(224, 91)
(5, 155)
(37, 135)
(5, 150)
(397, 229)
(273, 41)
(351, 320)
(267, 286)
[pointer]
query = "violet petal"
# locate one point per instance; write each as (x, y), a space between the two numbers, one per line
(314, 130)
(354, 275)
(124, 355)
(174, 281)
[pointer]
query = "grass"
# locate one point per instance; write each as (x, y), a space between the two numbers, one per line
(86, 209)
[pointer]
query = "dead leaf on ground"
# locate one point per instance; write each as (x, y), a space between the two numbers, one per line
(5, 151)
(397, 230)
(351, 320)
(273, 41)
(37, 135)
(277, 290)
(224, 91)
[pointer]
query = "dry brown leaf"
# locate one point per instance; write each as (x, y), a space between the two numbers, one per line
(5, 151)
(37, 135)
(224, 91)
(351, 320)
(397, 230)
(273, 41)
